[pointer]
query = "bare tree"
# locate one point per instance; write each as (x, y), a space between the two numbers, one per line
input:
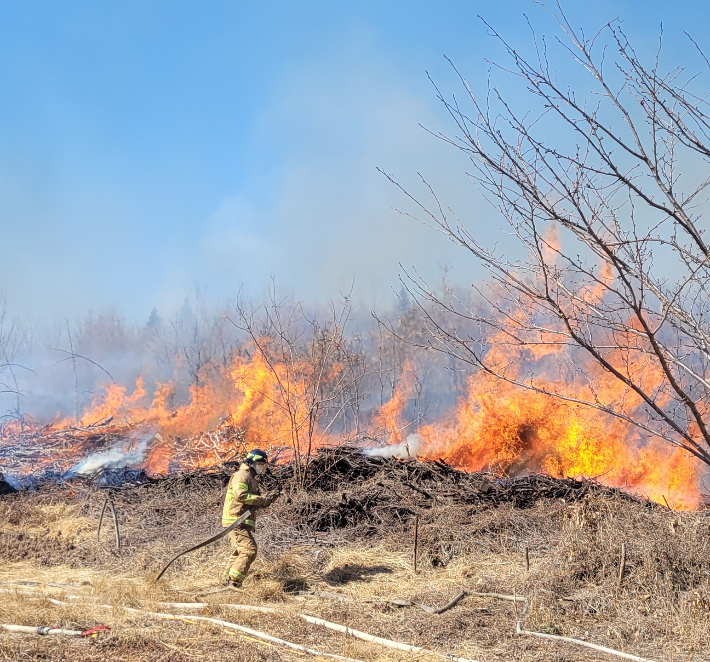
(316, 376)
(12, 340)
(603, 183)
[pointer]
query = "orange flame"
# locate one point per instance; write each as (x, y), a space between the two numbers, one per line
(507, 428)
(270, 401)
(389, 417)
(495, 426)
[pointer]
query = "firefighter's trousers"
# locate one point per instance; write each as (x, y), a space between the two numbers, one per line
(243, 545)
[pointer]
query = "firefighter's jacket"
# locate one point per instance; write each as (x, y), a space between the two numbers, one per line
(243, 494)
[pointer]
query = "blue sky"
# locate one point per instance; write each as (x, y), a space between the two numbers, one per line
(147, 147)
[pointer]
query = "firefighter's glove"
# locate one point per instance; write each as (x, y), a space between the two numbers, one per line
(272, 496)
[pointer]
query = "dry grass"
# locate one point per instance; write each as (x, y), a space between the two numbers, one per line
(660, 609)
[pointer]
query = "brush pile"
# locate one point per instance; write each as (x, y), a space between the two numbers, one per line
(344, 488)
(332, 468)
(347, 487)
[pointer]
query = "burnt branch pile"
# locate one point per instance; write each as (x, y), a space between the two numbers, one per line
(348, 487)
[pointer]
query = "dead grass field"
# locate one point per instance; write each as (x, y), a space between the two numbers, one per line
(660, 610)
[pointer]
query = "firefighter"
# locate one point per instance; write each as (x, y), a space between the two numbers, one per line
(243, 494)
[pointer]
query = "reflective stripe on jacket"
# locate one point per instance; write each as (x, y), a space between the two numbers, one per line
(243, 494)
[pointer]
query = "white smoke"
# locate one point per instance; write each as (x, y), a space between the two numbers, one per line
(113, 458)
(408, 448)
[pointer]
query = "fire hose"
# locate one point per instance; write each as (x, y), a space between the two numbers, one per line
(214, 538)
(46, 629)
(274, 495)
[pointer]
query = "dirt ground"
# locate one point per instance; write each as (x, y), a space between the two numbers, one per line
(342, 551)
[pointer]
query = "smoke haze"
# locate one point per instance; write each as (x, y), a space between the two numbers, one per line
(119, 457)
(408, 448)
